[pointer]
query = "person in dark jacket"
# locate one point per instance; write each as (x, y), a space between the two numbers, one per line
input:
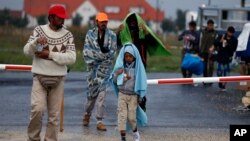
(207, 39)
(190, 39)
(225, 45)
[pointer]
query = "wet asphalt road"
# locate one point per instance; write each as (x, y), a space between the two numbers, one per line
(175, 112)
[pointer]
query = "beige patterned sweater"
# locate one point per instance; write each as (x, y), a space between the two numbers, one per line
(61, 51)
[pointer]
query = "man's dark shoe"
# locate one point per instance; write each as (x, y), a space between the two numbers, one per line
(101, 127)
(85, 120)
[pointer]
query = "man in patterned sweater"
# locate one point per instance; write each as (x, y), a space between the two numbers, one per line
(52, 48)
(99, 52)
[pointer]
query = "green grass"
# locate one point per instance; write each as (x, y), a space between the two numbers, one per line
(12, 41)
(11, 46)
(165, 64)
(155, 63)
(79, 65)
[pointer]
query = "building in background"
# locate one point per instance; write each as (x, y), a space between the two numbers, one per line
(223, 17)
(87, 9)
(190, 16)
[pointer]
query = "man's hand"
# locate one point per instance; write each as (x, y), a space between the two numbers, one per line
(120, 28)
(43, 54)
(186, 37)
(143, 27)
(222, 38)
(211, 49)
(45, 51)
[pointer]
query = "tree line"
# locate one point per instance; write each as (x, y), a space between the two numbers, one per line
(169, 25)
(7, 19)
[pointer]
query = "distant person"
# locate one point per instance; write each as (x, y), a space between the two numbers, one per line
(243, 50)
(225, 45)
(130, 78)
(245, 106)
(99, 53)
(52, 48)
(246, 101)
(134, 29)
(207, 39)
(190, 39)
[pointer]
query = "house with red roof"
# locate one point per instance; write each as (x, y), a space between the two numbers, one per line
(115, 9)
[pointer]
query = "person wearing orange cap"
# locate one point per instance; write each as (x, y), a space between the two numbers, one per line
(52, 48)
(99, 52)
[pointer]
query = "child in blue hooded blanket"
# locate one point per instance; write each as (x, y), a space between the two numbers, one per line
(130, 83)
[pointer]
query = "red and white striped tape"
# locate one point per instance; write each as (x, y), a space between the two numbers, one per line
(11, 67)
(198, 80)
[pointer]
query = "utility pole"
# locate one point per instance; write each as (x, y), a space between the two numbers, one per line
(140, 11)
(157, 15)
(157, 10)
(243, 3)
(209, 2)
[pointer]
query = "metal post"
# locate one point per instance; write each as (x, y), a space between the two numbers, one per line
(12, 67)
(243, 3)
(157, 15)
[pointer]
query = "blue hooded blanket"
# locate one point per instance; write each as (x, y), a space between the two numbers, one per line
(140, 78)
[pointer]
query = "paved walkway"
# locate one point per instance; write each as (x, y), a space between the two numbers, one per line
(175, 112)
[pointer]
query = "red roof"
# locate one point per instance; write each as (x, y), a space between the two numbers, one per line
(40, 7)
(150, 13)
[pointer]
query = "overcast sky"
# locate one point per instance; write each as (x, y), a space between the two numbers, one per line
(169, 6)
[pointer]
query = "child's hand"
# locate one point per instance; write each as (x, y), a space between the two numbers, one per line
(128, 77)
(120, 71)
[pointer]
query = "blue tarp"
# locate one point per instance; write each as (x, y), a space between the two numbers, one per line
(193, 63)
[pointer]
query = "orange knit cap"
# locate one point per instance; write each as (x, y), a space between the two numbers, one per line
(101, 17)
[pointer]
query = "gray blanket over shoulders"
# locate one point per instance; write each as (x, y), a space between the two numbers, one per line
(99, 64)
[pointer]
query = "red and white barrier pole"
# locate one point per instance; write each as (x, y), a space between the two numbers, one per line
(198, 80)
(11, 67)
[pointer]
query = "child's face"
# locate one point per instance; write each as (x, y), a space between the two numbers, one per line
(129, 58)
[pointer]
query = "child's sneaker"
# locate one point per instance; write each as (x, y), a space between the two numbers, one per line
(196, 84)
(123, 138)
(223, 90)
(242, 108)
(136, 136)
